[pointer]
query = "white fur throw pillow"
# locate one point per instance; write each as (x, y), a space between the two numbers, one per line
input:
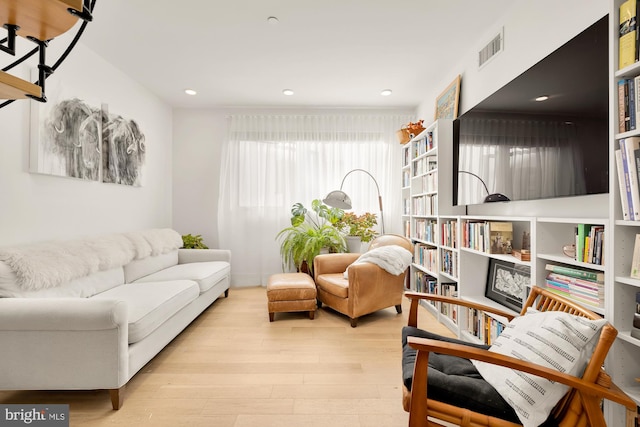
(553, 339)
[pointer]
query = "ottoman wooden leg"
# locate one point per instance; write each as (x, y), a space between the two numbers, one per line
(399, 308)
(271, 317)
(312, 314)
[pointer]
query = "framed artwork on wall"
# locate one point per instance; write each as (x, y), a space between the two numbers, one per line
(76, 138)
(447, 101)
(508, 283)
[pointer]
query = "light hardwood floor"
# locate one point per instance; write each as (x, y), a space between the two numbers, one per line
(233, 368)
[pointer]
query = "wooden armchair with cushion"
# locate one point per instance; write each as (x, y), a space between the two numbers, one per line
(368, 288)
(471, 385)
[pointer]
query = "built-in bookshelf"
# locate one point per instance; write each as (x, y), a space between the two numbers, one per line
(429, 219)
(621, 289)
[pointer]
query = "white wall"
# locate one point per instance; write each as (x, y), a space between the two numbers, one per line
(532, 30)
(41, 207)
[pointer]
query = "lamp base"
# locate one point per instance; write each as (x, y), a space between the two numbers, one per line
(496, 197)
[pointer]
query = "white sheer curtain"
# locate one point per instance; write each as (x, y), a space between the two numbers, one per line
(522, 159)
(271, 162)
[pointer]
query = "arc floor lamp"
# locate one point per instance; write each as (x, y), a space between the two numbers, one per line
(340, 199)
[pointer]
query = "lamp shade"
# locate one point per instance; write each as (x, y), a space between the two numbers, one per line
(338, 199)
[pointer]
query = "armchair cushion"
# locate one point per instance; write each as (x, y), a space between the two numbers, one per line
(553, 339)
(454, 380)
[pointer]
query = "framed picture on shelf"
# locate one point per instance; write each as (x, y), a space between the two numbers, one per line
(447, 101)
(507, 283)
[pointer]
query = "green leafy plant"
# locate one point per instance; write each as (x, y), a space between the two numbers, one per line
(360, 226)
(193, 242)
(310, 232)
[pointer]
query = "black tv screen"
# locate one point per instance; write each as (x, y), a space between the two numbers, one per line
(527, 149)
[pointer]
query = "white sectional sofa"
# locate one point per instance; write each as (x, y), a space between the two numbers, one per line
(88, 314)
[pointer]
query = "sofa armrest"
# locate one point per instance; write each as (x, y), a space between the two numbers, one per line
(67, 314)
(203, 255)
(63, 344)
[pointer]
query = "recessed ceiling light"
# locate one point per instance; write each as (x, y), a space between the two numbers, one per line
(273, 20)
(287, 92)
(190, 92)
(542, 98)
(386, 92)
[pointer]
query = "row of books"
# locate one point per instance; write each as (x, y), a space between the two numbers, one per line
(423, 145)
(425, 205)
(425, 184)
(482, 326)
(627, 163)
(628, 34)
(424, 165)
(449, 263)
(426, 256)
(628, 103)
(590, 243)
(586, 287)
(425, 283)
(448, 309)
(426, 230)
(493, 237)
(449, 233)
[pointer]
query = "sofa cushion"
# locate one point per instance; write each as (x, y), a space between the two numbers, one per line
(206, 274)
(333, 283)
(143, 267)
(82, 287)
(149, 305)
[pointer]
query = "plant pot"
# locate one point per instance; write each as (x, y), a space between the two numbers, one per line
(354, 244)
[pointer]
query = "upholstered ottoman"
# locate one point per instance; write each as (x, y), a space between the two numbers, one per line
(291, 292)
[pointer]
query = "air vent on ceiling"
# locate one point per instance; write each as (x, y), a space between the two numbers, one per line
(491, 49)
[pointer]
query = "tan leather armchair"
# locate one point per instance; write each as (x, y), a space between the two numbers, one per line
(369, 287)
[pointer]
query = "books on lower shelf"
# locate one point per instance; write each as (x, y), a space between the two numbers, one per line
(582, 286)
(482, 326)
(449, 310)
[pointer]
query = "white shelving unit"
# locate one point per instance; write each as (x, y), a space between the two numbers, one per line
(624, 358)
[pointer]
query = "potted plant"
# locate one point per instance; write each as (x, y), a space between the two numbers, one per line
(310, 233)
(193, 242)
(358, 229)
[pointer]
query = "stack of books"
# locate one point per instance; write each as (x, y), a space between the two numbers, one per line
(582, 286)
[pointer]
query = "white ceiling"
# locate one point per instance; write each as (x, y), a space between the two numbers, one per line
(332, 53)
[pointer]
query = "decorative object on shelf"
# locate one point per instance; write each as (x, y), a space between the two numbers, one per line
(447, 101)
(491, 197)
(507, 283)
(309, 234)
(19, 19)
(521, 254)
(409, 131)
(190, 241)
(500, 237)
(340, 199)
(569, 250)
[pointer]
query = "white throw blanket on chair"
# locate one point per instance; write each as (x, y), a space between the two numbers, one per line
(392, 258)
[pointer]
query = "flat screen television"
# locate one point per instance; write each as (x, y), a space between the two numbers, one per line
(527, 149)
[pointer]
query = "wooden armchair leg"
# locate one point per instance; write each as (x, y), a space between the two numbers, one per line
(117, 397)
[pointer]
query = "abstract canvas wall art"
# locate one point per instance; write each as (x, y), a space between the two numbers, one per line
(73, 138)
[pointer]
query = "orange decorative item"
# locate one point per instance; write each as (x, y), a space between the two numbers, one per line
(409, 131)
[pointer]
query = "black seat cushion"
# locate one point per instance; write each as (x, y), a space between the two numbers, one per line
(454, 380)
